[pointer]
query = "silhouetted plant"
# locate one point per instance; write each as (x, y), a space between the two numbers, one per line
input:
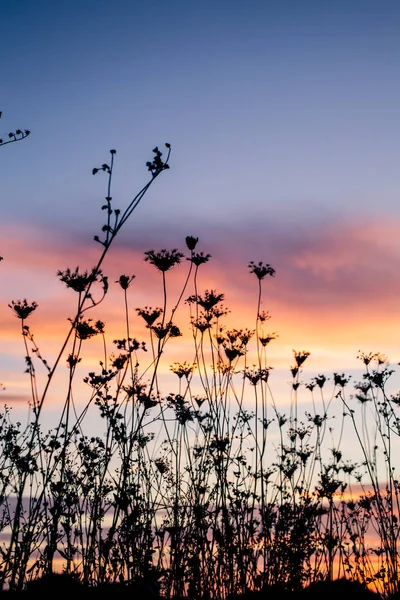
(211, 487)
(14, 136)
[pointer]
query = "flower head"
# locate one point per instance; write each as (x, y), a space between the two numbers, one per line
(209, 300)
(183, 369)
(300, 357)
(150, 315)
(260, 270)
(77, 281)
(164, 259)
(191, 242)
(266, 339)
(256, 375)
(125, 281)
(157, 165)
(199, 258)
(22, 309)
(85, 329)
(169, 329)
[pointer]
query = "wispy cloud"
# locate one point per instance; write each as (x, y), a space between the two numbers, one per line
(336, 283)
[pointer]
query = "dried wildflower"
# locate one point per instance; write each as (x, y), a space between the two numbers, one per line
(210, 299)
(103, 378)
(268, 338)
(300, 357)
(104, 167)
(84, 329)
(72, 361)
(130, 344)
(256, 375)
(232, 335)
(183, 369)
(157, 165)
(221, 311)
(341, 380)
(199, 258)
(263, 316)
(174, 331)
(320, 380)
(199, 401)
(260, 270)
(22, 309)
(225, 369)
(77, 281)
(191, 242)
(281, 419)
(100, 326)
(125, 281)
(381, 359)
(245, 336)
(164, 260)
(366, 358)
(182, 410)
(147, 401)
(395, 398)
(162, 331)
(202, 324)
(232, 353)
(118, 362)
(379, 378)
(150, 315)
(136, 390)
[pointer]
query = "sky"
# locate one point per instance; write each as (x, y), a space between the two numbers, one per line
(284, 123)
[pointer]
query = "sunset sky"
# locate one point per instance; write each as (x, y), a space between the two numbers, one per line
(283, 118)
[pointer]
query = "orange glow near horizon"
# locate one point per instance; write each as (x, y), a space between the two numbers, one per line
(308, 309)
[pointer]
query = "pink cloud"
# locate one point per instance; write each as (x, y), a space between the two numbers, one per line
(336, 283)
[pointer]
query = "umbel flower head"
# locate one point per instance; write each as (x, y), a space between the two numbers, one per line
(85, 330)
(150, 315)
(164, 260)
(22, 309)
(208, 301)
(79, 281)
(260, 270)
(125, 281)
(184, 369)
(199, 258)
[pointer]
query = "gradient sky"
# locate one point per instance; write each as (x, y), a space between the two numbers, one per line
(283, 118)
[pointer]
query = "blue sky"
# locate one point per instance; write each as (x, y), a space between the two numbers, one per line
(284, 123)
(281, 106)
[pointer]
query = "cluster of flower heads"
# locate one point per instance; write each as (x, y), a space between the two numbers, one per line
(184, 369)
(14, 136)
(157, 165)
(86, 329)
(256, 374)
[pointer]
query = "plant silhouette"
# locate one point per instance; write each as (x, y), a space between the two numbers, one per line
(207, 489)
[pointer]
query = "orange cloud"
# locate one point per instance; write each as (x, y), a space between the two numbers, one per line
(335, 290)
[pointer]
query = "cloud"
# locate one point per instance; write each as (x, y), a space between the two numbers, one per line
(336, 283)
